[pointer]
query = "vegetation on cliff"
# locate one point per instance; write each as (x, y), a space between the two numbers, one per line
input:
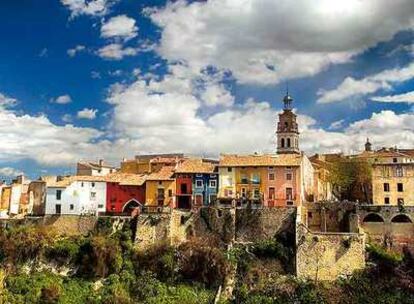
(37, 265)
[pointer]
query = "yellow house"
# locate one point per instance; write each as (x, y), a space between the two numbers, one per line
(142, 164)
(160, 188)
(393, 178)
(269, 180)
(5, 197)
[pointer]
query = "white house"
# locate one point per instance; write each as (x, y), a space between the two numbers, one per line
(100, 168)
(76, 195)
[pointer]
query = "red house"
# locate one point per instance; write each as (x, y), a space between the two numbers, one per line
(124, 193)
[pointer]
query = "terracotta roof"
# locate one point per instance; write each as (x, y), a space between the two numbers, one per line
(164, 160)
(233, 160)
(94, 165)
(195, 166)
(165, 173)
(126, 179)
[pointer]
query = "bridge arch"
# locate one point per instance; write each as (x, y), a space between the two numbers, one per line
(131, 205)
(373, 218)
(401, 218)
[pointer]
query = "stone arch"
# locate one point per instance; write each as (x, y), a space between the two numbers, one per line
(401, 218)
(373, 218)
(131, 205)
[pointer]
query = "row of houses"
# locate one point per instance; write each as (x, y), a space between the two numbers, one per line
(167, 181)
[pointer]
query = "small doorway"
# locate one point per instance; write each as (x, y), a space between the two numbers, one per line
(58, 209)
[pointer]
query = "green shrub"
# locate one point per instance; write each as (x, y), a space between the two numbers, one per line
(64, 250)
(386, 260)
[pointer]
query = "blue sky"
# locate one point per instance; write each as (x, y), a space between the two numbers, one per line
(114, 78)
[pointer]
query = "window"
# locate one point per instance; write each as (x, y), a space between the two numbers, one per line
(244, 179)
(58, 195)
(199, 199)
(58, 209)
(399, 171)
(199, 183)
(386, 187)
(243, 192)
(199, 175)
(289, 193)
(229, 169)
(271, 176)
(213, 183)
(71, 207)
(170, 192)
(400, 187)
(82, 184)
(93, 196)
(256, 193)
(271, 193)
(386, 200)
(228, 192)
(212, 176)
(93, 184)
(310, 215)
(100, 206)
(288, 142)
(282, 142)
(400, 201)
(394, 160)
(289, 203)
(288, 176)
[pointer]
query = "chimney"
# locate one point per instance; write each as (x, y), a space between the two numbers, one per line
(101, 162)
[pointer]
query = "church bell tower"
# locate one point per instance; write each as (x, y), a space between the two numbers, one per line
(287, 129)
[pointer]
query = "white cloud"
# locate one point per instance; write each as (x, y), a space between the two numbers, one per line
(337, 124)
(119, 27)
(351, 87)
(72, 52)
(67, 118)
(87, 114)
(405, 98)
(116, 51)
(88, 7)
(264, 41)
(6, 102)
(35, 137)
(158, 115)
(63, 99)
(217, 94)
(10, 172)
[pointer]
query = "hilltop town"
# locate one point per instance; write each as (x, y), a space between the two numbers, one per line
(331, 206)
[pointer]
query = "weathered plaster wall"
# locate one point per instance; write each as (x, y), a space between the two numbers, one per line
(325, 256)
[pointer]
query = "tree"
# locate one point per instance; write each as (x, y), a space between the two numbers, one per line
(350, 179)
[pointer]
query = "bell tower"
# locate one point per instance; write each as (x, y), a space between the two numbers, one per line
(287, 129)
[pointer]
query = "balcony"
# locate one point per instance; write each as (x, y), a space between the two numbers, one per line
(244, 181)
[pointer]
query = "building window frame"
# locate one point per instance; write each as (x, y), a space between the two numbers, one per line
(199, 183)
(400, 187)
(213, 183)
(386, 187)
(59, 194)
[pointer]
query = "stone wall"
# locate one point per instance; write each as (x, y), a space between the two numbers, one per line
(381, 226)
(326, 256)
(222, 224)
(64, 224)
(259, 224)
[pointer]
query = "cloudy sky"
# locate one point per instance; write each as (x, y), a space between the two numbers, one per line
(90, 79)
